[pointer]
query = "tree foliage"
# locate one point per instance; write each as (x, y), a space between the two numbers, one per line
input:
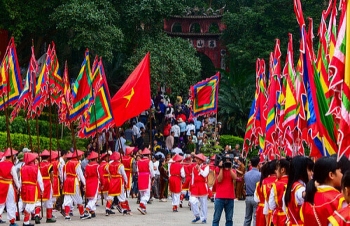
(90, 24)
(254, 25)
(173, 62)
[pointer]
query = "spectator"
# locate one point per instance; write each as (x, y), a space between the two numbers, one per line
(236, 151)
(190, 126)
(110, 134)
(251, 178)
(240, 179)
(182, 126)
(120, 142)
(129, 134)
(224, 199)
(167, 128)
(197, 124)
(159, 138)
(176, 129)
(169, 141)
(176, 150)
(140, 125)
(135, 132)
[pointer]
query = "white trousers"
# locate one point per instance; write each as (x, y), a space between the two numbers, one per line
(121, 197)
(76, 198)
(10, 204)
(92, 203)
(202, 201)
(175, 199)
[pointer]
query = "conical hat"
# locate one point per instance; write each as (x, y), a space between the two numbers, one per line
(77, 153)
(8, 152)
(115, 156)
(54, 155)
(129, 150)
(93, 155)
(177, 158)
(201, 157)
(29, 157)
(146, 151)
(45, 153)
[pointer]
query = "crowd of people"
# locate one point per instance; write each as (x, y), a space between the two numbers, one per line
(119, 165)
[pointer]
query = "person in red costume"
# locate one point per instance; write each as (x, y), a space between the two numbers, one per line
(277, 192)
(176, 173)
(92, 178)
(145, 176)
(199, 189)
(128, 162)
(31, 189)
(46, 171)
(187, 165)
(72, 176)
(55, 176)
(267, 186)
(259, 198)
(342, 217)
(117, 184)
(9, 186)
(300, 173)
(104, 177)
(322, 198)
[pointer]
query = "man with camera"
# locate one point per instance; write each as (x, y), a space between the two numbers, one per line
(224, 199)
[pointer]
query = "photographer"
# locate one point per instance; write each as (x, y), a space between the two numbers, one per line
(224, 199)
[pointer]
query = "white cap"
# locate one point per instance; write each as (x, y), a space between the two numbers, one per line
(26, 150)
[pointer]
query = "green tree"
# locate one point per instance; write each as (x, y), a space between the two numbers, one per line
(90, 24)
(253, 27)
(173, 62)
(235, 98)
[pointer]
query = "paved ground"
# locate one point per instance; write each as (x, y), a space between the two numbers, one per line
(158, 213)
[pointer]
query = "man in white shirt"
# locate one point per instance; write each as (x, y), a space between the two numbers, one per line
(176, 129)
(190, 126)
(135, 131)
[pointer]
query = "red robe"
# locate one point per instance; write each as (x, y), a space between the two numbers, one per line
(144, 174)
(55, 180)
(104, 176)
(260, 217)
(267, 186)
(293, 209)
(188, 175)
(29, 178)
(278, 216)
(326, 201)
(199, 183)
(5, 179)
(116, 182)
(127, 162)
(341, 217)
(71, 176)
(92, 178)
(45, 168)
(175, 177)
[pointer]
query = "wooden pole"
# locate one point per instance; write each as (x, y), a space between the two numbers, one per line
(99, 151)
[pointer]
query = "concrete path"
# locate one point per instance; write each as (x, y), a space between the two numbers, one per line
(158, 213)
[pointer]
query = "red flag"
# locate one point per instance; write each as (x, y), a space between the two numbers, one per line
(135, 94)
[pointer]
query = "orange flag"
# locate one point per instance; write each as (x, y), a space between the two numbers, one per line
(135, 94)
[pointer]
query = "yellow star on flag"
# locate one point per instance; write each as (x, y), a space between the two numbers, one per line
(128, 97)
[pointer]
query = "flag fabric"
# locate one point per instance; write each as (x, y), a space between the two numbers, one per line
(337, 64)
(26, 98)
(274, 91)
(100, 116)
(11, 80)
(319, 125)
(65, 106)
(55, 85)
(260, 106)
(204, 96)
(41, 93)
(82, 90)
(135, 94)
(344, 127)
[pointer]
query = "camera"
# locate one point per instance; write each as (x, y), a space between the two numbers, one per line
(224, 158)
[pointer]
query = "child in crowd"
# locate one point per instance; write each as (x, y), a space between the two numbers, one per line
(277, 192)
(322, 198)
(342, 216)
(301, 171)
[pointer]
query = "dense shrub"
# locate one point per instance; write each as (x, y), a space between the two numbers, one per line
(22, 140)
